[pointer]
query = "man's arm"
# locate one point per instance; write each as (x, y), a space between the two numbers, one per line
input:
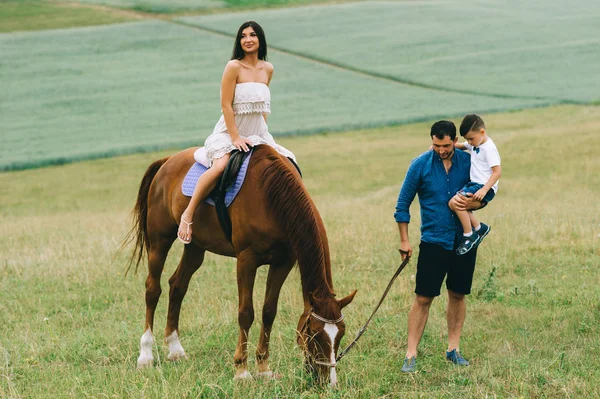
(404, 242)
(405, 198)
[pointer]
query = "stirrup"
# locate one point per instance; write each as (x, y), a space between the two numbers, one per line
(187, 231)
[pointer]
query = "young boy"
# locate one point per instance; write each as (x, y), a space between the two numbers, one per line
(485, 173)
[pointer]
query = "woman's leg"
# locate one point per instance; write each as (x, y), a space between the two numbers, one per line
(206, 183)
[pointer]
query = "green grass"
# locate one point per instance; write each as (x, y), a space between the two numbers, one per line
(179, 6)
(111, 90)
(119, 89)
(512, 48)
(27, 15)
(160, 6)
(245, 4)
(70, 322)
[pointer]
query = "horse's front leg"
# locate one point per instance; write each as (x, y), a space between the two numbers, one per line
(191, 260)
(246, 275)
(277, 275)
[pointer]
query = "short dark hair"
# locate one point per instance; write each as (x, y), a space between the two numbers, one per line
(440, 129)
(471, 122)
(238, 51)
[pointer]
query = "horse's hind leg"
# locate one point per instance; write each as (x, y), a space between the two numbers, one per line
(277, 275)
(246, 275)
(190, 262)
(158, 250)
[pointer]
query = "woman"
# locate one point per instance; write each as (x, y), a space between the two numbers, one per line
(245, 103)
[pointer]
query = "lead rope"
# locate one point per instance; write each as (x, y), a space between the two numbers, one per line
(364, 327)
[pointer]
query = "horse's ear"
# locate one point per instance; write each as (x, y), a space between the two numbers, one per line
(346, 301)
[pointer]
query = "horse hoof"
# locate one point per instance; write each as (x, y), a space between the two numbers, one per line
(143, 363)
(177, 356)
(243, 376)
(268, 375)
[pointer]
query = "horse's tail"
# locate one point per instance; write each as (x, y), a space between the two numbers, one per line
(139, 214)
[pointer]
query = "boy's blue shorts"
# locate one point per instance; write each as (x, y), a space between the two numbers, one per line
(472, 188)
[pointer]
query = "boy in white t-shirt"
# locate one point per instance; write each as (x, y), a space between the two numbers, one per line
(485, 174)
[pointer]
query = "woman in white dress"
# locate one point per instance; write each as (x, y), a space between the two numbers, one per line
(245, 103)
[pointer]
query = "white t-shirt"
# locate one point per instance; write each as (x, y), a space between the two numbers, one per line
(482, 162)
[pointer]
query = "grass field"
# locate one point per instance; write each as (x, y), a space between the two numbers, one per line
(160, 6)
(508, 48)
(27, 15)
(70, 321)
(24, 15)
(117, 89)
(125, 88)
(178, 6)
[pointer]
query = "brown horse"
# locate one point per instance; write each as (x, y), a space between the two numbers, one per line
(275, 222)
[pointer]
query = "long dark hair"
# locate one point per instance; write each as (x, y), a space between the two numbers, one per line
(238, 51)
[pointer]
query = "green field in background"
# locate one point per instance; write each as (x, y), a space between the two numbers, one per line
(105, 91)
(25, 15)
(511, 48)
(160, 6)
(174, 6)
(99, 91)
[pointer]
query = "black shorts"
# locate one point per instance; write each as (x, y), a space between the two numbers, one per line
(435, 263)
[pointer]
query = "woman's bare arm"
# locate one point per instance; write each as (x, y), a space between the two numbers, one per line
(228, 83)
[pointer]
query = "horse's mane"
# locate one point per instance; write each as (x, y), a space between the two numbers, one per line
(297, 215)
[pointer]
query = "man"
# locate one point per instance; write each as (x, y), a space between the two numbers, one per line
(436, 176)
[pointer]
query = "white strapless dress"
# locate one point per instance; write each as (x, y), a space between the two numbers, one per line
(251, 100)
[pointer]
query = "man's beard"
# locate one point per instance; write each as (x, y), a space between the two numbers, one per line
(448, 155)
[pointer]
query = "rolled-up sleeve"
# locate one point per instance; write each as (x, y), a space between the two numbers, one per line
(407, 193)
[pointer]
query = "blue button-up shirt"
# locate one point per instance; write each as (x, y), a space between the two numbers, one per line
(427, 177)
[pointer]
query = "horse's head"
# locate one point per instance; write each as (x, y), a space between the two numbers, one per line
(320, 333)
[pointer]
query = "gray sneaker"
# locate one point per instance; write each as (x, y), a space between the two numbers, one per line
(410, 365)
(455, 357)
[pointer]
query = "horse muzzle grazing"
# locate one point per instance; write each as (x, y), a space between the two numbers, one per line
(320, 337)
(320, 348)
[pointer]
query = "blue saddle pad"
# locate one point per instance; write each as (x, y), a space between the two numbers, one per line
(192, 176)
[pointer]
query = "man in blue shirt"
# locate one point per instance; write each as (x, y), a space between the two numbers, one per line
(436, 176)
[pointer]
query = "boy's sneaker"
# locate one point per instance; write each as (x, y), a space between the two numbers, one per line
(483, 231)
(410, 365)
(455, 357)
(468, 243)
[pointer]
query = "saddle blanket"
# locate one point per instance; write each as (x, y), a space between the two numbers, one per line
(197, 169)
